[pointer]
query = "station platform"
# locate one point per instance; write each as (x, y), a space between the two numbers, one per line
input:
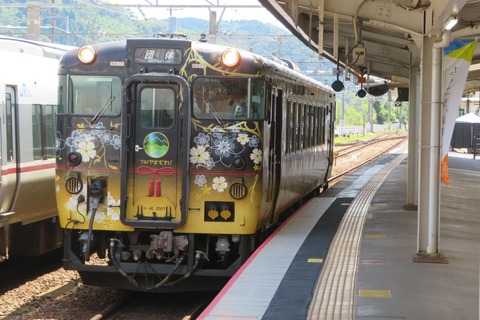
(351, 254)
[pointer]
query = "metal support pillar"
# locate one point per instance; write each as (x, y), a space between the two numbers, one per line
(429, 182)
(413, 138)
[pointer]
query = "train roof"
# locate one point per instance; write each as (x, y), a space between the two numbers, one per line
(258, 65)
(38, 48)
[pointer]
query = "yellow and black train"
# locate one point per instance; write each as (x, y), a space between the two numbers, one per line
(176, 157)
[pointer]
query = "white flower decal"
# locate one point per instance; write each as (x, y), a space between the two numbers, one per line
(223, 146)
(200, 180)
(219, 184)
(202, 139)
(199, 155)
(115, 141)
(243, 138)
(256, 156)
(74, 206)
(100, 217)
(113, 210)
(254, 142)
(87, 150)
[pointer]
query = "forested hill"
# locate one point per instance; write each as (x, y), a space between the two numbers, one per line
(79, 25)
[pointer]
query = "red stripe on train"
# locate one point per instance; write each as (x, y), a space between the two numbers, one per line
(25, 169)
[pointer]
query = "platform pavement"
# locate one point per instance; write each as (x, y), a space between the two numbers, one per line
(389, 284)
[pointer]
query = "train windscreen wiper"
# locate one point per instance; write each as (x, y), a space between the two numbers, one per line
(102, 110)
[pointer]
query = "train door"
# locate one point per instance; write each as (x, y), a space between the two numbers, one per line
(8, 151)
(157, 161)
(275, 145)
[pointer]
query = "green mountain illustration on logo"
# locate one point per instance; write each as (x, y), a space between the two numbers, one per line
(156, 145)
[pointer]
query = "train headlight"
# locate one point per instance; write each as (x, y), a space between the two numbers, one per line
(74, 158)
(87, 54)
(231, 58)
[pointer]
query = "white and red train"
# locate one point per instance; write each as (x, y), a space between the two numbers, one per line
(28, 107)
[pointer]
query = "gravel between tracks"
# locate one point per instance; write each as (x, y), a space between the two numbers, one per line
(39, 300)
(47, 298)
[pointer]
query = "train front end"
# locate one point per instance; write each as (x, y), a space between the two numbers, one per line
(159, 165)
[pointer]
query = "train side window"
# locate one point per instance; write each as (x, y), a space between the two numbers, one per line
(315, 126)
(301, 126)
(48, 128)
(289, 126)
(321, 131)
(308, 127)
(157, 107)
(296, 122)
(9, 119)
(43, 129)
(37, 131)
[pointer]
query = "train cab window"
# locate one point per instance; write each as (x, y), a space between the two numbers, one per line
(157, 107)
(229, 98)
(93, 95)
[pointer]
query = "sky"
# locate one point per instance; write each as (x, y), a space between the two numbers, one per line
(229, 14)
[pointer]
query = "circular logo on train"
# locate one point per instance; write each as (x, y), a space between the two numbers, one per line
(156, 145)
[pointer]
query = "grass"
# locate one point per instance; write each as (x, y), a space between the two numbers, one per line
(356, 137)
(361, 137)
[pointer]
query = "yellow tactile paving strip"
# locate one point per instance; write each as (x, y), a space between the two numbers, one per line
(375, 293)
(334, 297)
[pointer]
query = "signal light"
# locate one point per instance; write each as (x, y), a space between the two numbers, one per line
(87, 54)
(238, 163)
(74, 158)
(231, 57)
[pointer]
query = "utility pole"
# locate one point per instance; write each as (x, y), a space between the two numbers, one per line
(33, 20)
(212, 27)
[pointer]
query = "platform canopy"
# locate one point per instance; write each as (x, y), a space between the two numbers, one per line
(382, 38)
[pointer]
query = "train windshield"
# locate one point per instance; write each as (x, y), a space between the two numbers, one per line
(229, 98)
(157, 107)
(91, 95)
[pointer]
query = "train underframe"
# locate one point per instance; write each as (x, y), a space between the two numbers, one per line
(157, 261)
(31, 239)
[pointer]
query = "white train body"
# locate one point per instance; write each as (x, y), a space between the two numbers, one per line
(28, 105)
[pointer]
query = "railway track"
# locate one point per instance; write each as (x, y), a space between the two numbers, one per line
(359, 154)
(355, 147)
(148, 306)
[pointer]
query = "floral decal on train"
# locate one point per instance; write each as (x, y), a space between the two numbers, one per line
(222, 148)
(219, 184)
(215, 147)
(92, 142)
